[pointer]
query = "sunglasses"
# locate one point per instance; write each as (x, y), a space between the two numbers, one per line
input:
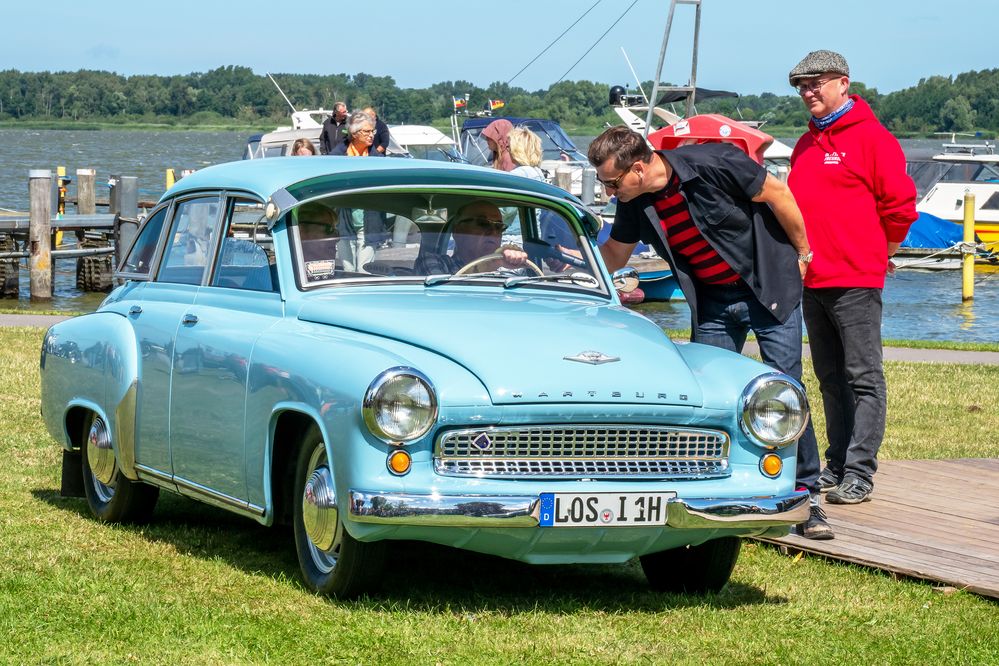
(614, 184)
(482, 222)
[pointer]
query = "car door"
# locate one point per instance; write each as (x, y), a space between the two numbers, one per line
(212, 358)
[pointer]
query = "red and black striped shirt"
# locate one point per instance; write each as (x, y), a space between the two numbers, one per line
(684, 238)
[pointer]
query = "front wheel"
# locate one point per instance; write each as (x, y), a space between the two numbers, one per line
(112, 498)
(332, 562)
(693, 569)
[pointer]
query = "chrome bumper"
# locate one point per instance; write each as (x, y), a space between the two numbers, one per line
(522, 511)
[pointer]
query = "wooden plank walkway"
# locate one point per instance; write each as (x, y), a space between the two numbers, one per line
(936, 520)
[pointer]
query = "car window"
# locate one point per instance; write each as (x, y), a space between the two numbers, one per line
(139, 259)
(192, 239)
(246, 258)
(408, 237)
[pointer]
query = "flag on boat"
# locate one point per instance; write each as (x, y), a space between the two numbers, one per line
(496, 104)
(459, 102)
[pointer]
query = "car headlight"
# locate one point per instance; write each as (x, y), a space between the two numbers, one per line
(774, 410)
(400, 405)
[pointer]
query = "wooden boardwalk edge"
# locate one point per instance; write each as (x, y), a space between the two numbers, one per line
(943, 530)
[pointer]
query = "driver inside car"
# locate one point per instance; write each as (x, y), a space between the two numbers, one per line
(478, 232)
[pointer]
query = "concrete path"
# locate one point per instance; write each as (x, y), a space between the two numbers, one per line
(891, 353)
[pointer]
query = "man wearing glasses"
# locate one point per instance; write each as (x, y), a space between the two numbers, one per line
(848, 176)
(478, 232)
(736, 242)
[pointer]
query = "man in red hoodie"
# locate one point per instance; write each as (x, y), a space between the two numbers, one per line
(848, 177)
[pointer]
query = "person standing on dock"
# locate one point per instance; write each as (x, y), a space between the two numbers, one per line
(334, 129)
(736, 242)
(848, 177)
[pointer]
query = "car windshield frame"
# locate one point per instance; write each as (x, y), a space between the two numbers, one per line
(525, 206)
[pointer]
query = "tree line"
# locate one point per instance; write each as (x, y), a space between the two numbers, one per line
(231, 94)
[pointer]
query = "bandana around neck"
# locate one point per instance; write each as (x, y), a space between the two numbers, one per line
(825, 121)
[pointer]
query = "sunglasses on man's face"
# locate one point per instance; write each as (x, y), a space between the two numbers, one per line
(482, 222)
(616, 182)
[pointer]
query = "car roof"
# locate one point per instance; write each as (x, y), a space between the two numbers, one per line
(265, 177)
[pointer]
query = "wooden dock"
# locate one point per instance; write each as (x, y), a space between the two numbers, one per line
(936, 520)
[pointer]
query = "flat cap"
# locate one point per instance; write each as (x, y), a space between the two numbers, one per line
(816, 63)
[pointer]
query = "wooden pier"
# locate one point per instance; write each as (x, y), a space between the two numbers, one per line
(935, 520)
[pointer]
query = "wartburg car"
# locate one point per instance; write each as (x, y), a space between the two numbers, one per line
(382, 350)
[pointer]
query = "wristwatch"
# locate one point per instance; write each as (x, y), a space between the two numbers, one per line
(806, 258)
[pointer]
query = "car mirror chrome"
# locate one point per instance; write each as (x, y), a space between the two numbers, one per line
(625, 279)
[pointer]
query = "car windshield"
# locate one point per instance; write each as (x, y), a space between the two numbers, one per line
(436, 238)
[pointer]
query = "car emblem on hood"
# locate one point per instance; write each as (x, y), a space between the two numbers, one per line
(482, 441)
(592, 357)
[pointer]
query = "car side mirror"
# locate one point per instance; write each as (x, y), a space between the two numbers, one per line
(625, 279)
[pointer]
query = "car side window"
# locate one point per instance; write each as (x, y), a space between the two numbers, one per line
(192, 238)
(246, 260)
(140, 258)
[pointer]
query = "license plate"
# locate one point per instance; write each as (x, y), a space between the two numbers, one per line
(603, 509)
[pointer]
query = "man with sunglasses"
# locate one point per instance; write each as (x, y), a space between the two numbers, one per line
(736, 242)
(478, 232)
(848, 176)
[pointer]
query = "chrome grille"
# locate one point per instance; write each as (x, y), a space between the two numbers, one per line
(583, 451)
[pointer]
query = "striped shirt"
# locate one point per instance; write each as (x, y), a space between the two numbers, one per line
(684, 238)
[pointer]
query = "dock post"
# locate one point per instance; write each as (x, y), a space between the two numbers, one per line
(39, 233)
(589, 185)
(563, 178)
(968, 258)
(86, 197)
(128, 213)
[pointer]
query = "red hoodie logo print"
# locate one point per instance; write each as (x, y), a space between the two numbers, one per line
(834, 158)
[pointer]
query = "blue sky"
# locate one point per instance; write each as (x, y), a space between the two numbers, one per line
(746, 46)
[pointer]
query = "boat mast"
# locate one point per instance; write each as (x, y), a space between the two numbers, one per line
(662, 59)
(293, 109)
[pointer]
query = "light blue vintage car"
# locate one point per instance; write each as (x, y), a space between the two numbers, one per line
(375, 350)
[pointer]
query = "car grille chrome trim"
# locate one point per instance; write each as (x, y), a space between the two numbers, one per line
(583, 451)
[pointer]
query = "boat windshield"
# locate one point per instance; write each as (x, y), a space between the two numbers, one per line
(441, 238)
(555, 143)
(927, 173)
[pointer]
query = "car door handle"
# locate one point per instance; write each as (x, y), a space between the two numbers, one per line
(189, 319)
(135, 310)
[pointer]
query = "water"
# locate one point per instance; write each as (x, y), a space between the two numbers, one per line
(918, 304)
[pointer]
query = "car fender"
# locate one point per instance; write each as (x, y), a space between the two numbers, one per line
(90, 361)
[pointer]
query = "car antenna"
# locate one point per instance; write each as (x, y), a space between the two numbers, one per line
(293, 109)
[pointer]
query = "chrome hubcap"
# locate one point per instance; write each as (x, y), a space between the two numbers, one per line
(319, 509)
(100, 455)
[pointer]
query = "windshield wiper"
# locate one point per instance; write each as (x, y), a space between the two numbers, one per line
(432, 280)
(575, 277)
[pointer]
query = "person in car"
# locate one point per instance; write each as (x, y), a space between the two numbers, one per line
(478, 232)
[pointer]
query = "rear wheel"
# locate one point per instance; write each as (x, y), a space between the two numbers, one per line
(332, 562)
(112, 498)
(693, 569)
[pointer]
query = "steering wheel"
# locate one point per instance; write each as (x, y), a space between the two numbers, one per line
(467, 268)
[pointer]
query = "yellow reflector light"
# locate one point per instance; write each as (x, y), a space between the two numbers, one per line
(399, 462)
(771, 464)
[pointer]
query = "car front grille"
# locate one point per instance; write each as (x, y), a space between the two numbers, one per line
(583, 451)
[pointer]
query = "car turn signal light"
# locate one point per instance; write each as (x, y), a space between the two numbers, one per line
(771, 464)
(399, 462)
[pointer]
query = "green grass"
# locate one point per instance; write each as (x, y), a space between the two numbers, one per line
(197, 586)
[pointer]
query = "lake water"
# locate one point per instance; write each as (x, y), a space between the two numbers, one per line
(918, 304)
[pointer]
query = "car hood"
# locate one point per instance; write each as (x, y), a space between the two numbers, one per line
(524, 347)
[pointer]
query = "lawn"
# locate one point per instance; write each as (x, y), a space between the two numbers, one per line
(197, 586)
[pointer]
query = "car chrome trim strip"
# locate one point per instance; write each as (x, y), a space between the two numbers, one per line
(198, 491)
(523, 511)
(591, 451)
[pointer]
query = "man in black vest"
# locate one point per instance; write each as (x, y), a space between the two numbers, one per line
(736, 242)
(334, 129)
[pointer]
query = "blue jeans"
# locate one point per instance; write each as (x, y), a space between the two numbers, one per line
(725, 317)
(844, 332)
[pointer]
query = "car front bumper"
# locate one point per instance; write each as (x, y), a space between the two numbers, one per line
(522, 511)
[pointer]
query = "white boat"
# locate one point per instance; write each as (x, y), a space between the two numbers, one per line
(961, 168)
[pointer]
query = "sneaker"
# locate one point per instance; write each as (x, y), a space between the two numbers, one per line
(816, 527)
(853, 490)
(828, 480)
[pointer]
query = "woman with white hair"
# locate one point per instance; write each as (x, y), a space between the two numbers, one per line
(360, 136)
